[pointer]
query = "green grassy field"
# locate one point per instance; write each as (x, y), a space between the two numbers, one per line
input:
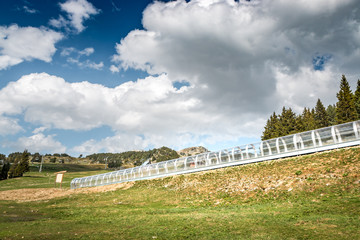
(308, 197)
(46, 178)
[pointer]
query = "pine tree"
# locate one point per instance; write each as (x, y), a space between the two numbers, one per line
(4, 170)
(308, 119)
(321, 117)
(20, 166)
(357, 99)
(345, 107)
(299, 124)
(12, 172)
(331, 112)
(271, 128)
(287, 122)
(24, 163)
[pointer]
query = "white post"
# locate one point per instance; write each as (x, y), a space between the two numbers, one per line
(42, 160)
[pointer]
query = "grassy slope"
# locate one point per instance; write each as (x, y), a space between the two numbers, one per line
(308, 197)
(46, 178)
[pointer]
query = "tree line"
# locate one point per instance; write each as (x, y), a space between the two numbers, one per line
(17, 163)
(346, 109)
(20, 165)
(134, 158)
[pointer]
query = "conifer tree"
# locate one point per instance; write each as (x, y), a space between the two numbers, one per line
(20, 166)
(271, 128)
(4, 170)
(357, 99)
(299, 124)
(345, 107)
(12, 171)
(308, 119)
(287, 122)
(24, 163)
(321, 117)
(331, 112)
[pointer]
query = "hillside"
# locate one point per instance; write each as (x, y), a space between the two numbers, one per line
(133, 158)
(308, 197)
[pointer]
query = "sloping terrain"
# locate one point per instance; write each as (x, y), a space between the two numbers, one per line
(304, 173)
(315, 196)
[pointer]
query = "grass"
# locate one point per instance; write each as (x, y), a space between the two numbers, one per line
(46, 178)
(321, 202)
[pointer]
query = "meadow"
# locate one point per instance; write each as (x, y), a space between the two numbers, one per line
(307, 197)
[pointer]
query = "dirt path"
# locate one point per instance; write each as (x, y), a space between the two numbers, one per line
(38, 194)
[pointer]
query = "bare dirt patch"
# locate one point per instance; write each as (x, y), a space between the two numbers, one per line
(39, 194)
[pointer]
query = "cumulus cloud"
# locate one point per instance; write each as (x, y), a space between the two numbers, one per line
(38, 143)
(18, 44)
(237, 55)
(118, 143)
(236, 62)
(150, 112)
(77, 12)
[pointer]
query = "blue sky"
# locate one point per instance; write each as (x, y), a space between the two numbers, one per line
(86, 76)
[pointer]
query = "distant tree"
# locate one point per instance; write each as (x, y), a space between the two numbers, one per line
(12, 171)
(20, 166)
(36, 157)
(133, 158)
(357, 99)
(287, 122)
(4, 170)
(272, 127)
(321, 117)
(308, 119)
(13, 156)
(345, 107)
(331, 112)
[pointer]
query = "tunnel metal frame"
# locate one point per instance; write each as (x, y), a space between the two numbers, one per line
(337, 136)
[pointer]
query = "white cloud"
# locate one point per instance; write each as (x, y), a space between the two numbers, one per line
(9, 126)
(242, 60)
(39, 130)
(38, 143)
(76, 58)
(61, 22)
(87, 51)
(18, 44)
(77, 12)
(114, 69)
(86, 64)
(93, 65)
(148, 112)
(118, 143)
(303, 88)
(67, 51)
(30, 10)
(234, 53)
